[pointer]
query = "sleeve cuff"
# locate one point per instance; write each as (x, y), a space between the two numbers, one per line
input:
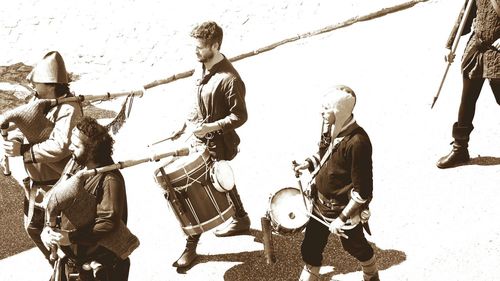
(27, 152)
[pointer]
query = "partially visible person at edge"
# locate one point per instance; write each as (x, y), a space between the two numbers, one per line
(342, 171)
(480, 61)
(92, 147)
(219, 110)
(44, 161)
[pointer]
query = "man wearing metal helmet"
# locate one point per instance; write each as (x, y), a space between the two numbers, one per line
(45, 161)
(342, 188)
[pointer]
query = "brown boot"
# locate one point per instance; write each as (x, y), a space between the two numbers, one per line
(189, 254)
(237, 226)
(459, 155)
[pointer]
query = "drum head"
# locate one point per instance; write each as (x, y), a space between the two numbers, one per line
(182, 162)
(222, 176)
(287, 209)
(179, 168)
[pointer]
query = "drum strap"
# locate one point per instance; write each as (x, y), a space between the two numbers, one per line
(333, 146)
(31, 206)
(171, 194)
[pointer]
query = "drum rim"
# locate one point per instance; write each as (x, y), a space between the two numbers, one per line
(180, 174)
(215, 179)
(277, 227)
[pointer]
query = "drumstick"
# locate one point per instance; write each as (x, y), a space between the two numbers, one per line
(173, 135)
(323, 222)
(176, 133)
(202, 121)
(297, 175)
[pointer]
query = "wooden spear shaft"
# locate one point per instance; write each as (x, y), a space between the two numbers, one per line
(453, 49)
(373, 15)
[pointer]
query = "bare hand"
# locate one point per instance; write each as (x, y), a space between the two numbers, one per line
(60, 238)
(302, 166)
(11, 148)
(336, 228)
(46, 238)
(449, 57)
(203, 129)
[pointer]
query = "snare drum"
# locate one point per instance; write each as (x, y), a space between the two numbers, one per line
(195, 201)
(287, 212)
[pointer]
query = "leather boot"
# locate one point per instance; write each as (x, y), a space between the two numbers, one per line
(237, 226)
(189, 254)
(241, 221)
(459, 155)
(309, 273)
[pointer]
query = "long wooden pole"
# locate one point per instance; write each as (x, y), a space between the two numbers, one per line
(124, 164)
(107, 96)
(453, 49)
(353, 20)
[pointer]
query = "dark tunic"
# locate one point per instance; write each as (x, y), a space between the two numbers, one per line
(109, 189)
(480, 58)
(349, 166)
(221, 97)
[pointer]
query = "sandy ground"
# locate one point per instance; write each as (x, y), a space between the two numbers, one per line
(428, 224)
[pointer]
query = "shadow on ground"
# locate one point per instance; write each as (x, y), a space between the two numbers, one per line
(289, 262)
(484, 161)
(14, 237)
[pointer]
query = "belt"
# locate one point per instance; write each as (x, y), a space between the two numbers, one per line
(48, 182)
(327, 202)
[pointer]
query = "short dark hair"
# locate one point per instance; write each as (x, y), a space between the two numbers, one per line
(209, 32)
(61, 89)
(100, 143)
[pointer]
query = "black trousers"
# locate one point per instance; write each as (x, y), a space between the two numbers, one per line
(316, 238)
(470, 93)
(112, 272)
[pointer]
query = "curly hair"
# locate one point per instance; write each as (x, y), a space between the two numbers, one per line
(100, 144)
(209, 32)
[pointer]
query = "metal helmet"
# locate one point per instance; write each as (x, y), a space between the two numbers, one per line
(50, 69)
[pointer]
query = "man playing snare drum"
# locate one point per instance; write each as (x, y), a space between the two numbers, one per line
(342, 171)
(219, 110)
